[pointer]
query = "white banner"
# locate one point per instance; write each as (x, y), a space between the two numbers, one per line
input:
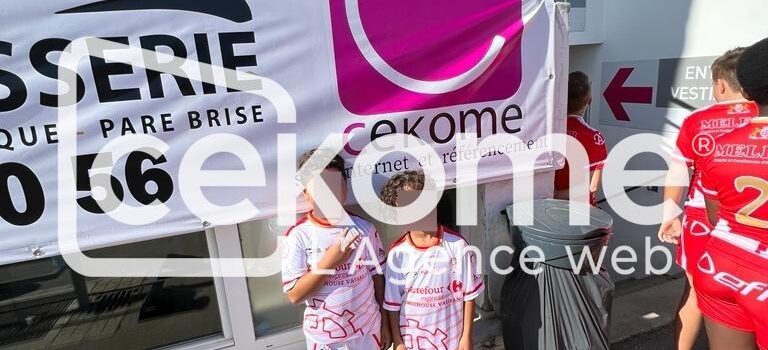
(431, 69)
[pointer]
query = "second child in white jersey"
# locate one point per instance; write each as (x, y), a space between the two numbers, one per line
(431, 281)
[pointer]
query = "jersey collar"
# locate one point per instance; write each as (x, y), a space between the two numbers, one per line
(318, 221)
(440, 233)
(734, 101)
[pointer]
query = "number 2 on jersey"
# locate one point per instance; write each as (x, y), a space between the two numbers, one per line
(744, 216)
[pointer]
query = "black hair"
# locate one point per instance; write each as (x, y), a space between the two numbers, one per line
(753, 72)
(579, 89)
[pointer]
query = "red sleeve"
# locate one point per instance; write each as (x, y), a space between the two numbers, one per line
(685, 144)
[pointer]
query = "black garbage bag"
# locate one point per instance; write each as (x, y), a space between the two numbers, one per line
(556, 310)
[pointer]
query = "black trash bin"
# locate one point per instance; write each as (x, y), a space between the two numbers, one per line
(557, 309)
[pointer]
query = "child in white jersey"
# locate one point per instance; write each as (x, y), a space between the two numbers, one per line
(431, 279)
(326, 266)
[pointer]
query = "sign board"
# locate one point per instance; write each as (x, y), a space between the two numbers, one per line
(648, 94)
(685, 83)
(363, 69)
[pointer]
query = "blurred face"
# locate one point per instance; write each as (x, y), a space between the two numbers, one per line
(337, 187)
(428, 223)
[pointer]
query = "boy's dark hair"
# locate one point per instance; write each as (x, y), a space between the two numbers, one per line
(413, 180)
(753, 72)
(579, 89)
(337, 163)
(725, 67)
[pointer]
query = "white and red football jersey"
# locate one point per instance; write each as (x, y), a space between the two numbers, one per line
(593, 142)
(344, 307)
(428, 286)
(736, 175)
(698, 133)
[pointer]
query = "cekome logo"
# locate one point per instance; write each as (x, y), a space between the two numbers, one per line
(234, 10)
(399, 55)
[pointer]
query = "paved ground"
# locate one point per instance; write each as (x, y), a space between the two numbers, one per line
(644, 305)
(643, 312)
(659, 339)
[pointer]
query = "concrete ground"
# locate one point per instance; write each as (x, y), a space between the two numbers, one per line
(643, 315)
(640, 298)
(658, 339)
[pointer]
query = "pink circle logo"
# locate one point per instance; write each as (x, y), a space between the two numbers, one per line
(396, 55)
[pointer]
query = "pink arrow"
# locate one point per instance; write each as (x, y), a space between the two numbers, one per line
(616, 94)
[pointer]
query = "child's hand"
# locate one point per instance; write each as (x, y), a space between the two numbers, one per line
(339, 253)
(399, 346)
(465, 343)
(386, 335)
(670, 231)
(349, 239)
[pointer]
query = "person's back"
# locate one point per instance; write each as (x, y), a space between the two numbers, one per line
(731, 278)
(736, 175)
(696, 140)
(593, 141)
(699, 130)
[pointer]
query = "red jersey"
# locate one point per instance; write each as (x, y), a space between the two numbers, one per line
(592, 140)
(736, 175)
(699, 131)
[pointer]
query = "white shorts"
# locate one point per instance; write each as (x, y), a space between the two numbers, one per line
(366, 342)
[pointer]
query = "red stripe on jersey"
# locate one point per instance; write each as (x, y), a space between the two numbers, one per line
(398, 241)
(299, 222)
(453, 233)
(318, 221)
(439, 236)
(474, 290)
(291, 281)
